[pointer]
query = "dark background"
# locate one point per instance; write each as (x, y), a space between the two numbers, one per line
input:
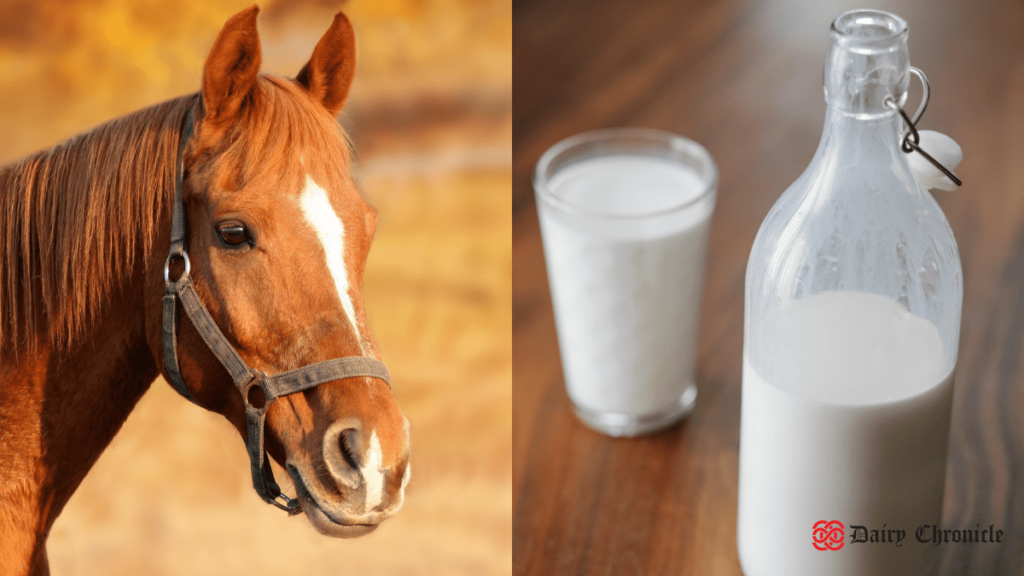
(744, 77)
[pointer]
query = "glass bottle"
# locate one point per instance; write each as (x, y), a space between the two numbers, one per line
(851, 328)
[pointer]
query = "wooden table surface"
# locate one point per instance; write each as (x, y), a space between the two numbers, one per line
(743, 77)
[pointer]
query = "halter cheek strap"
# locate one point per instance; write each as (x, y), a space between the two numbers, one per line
(246, 379)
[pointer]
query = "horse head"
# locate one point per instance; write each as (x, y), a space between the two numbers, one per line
(278, 237)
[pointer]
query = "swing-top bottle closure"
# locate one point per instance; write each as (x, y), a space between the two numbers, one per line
(867, 76)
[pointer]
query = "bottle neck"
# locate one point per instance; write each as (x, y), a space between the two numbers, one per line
(867, 64)
(858, 154)
(850, 138)
(886, 124)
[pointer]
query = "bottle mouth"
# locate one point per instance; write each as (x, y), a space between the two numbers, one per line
(869, 31)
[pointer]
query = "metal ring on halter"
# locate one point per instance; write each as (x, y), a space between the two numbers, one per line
(256, 379)
(167, 265)
(291, 505)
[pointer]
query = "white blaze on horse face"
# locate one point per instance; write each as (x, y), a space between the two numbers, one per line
(373, 473)
(321, 216)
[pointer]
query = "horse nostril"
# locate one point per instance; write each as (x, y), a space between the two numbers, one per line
(348, 440)
(341, 454)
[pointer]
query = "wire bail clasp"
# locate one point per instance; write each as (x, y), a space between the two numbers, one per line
(912, 140)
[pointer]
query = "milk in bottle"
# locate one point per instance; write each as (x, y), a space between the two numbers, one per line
(851, 328)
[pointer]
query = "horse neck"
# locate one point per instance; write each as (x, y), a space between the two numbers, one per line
(62, 403)
(59, 409)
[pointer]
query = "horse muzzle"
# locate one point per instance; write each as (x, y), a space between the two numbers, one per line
(351, 492)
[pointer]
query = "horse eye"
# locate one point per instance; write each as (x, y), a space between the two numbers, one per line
(233, 233)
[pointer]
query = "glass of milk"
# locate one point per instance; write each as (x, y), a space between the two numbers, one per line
(624, 218)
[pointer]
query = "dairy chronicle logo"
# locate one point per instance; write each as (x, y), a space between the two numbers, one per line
(828, 534)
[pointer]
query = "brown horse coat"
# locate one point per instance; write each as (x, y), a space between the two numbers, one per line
(278, 236)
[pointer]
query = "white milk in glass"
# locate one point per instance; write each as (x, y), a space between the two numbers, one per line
(625, 265)
(852, 426)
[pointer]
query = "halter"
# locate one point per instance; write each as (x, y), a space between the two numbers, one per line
(246, 379)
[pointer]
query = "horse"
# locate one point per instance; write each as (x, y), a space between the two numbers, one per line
(250, 175)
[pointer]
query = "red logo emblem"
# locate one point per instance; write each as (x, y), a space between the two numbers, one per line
(828, 534)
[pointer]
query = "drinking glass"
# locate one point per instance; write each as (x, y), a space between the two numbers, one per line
(624, 217)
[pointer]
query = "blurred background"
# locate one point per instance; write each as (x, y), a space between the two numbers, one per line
(430, 116)
(744, 78)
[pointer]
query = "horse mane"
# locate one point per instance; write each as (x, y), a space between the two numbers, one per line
(74, 218)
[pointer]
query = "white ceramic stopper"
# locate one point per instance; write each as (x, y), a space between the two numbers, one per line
(942, 148)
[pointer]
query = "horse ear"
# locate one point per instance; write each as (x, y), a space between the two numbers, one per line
(328, 74)
(231, 68)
